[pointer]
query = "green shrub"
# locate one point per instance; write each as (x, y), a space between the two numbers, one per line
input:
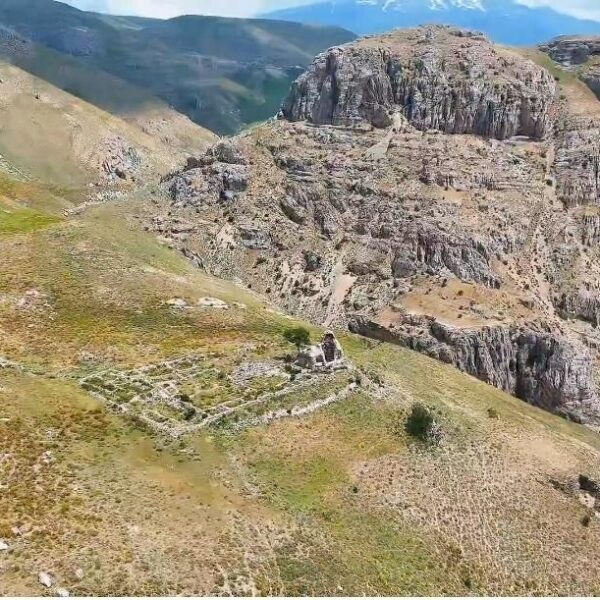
(299, 336)
(585, 520)
(493, 413)
(422, 424)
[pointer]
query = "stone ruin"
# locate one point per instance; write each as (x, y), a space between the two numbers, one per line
(326, 355)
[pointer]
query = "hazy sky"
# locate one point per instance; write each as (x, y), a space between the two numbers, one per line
(171, 8)
(587, 9)
(242, 8)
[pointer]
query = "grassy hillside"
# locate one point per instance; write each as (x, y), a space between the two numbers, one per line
(257, 491)
(221, 73)
(156, 439)
(53, 136)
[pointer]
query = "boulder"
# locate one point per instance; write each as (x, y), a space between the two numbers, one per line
(213, 303)
(178, 303)
(45, 579)
(254, 238)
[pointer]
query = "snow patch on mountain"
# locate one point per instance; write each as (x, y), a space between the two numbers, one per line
(432, 4)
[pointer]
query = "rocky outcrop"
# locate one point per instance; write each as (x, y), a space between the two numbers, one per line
(220, 175)
(571, 50)
(254, 238)
(441, 252)
(590, 230)
(437, 77)
(552, 372)
(582, 304)
(577, 165)
(577, 162)
(577, 53)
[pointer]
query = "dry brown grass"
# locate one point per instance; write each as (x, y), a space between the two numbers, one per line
(56, 137)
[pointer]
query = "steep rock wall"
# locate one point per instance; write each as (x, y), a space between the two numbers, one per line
(444, 85)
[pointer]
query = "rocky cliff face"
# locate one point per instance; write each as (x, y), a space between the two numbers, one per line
(569, 50)
(579, 53)
(578, 147)
(550, 371)
(415, 196)
(439, 78)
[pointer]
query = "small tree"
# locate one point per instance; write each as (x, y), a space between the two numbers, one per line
(299, 336)
(422, 424)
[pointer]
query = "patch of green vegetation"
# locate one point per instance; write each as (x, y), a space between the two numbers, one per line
(493, 413)
(43, 198)
(420, 422)
(369, 425)
(23, 220)
(299, 336)
(543, 60)
(8, 186)
(299, 486)
(261, 385)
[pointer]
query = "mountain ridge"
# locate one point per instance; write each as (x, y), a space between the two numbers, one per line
(502, 20)
(191, 62)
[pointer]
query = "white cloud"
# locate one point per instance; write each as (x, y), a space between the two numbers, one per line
(172, 8)
(585, 9)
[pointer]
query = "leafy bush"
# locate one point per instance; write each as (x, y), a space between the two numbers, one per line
(299, 336)
(585, 520)
(422, 424)
(493, 413)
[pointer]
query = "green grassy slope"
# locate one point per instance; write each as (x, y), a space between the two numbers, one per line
(338, 501)
(107, 92)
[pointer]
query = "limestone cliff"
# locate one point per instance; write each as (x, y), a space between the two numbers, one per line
(440, 78)
(569, 50)
(545, 369)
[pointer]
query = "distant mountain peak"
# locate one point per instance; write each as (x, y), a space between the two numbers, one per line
(431, 4)
(445, 4)
(501, 20)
